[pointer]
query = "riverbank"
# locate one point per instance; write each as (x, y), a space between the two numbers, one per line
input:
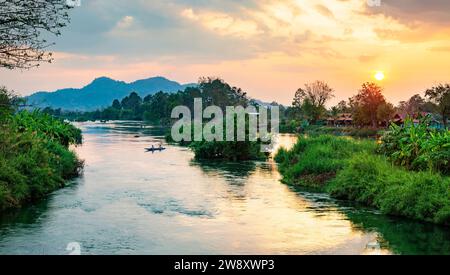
(351, 170)
(35, 158)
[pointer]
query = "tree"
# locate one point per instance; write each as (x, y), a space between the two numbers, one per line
(440, 95)
(9, 102)
(413, 106)
(21, 25)
(342, 107)
(216, 91)
(156, 108)
(385, 112)
(296, 110)
(116, 104)
(132, 102)
(366, 103)
(5, 102)
(311, 100)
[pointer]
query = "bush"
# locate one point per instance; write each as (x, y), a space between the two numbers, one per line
(417, 147)
(318, 158)
(224, 150)
(373, 181)
(349, 169)
(47, 127)
(34, 157)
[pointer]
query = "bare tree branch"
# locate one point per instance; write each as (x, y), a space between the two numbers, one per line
(22, 23)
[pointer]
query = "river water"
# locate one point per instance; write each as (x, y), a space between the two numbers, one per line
(131, 202)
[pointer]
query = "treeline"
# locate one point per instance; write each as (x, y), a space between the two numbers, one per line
(369, 107)
(157, 108)
(34, 153)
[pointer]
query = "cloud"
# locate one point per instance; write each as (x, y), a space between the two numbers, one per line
(324, 11)
(222, 23)
(412, 11)
(263, 45)
(125, 23)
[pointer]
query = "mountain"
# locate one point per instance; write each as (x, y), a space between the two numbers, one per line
(101, 93)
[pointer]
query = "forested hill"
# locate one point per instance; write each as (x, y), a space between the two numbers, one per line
(101, 92)
(157, 108)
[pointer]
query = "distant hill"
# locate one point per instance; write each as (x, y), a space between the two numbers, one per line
(101, 93)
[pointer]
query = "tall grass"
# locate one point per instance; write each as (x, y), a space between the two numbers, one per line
(314, 160)
(373, 181)
(350, 169)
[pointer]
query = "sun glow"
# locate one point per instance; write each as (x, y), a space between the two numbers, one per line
(379, 76)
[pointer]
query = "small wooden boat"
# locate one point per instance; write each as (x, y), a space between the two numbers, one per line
(155, 149)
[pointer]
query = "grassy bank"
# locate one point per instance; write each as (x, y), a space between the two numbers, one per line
(351, 169)
(34, 157)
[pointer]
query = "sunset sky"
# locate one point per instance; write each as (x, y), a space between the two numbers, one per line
(267, 47)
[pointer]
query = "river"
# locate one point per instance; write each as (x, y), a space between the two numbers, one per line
(129, 201)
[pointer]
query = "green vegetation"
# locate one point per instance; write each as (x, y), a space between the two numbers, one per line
(367, 110)
(231, 151)
(34, 155)
(309, 102)
(370, 108)
(313, 161)
(439, 96)
(350, 169)
(157, 108)
(373, 181)
(417, 147)
(47, 127)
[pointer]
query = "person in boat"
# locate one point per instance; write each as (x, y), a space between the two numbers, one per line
(153, 147)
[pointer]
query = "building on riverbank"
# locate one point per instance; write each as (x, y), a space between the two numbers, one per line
(435, 120)
(341, 120)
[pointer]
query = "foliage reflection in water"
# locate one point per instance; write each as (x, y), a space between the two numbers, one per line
(132, 202)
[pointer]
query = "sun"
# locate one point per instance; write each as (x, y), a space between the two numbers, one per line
(379, 76)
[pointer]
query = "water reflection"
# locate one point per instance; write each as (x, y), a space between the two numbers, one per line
(403, 236)
(132, 202)
(234, 173)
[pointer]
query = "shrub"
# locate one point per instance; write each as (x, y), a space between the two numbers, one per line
(318, 157)
(34, 157)
(417, 147)
(349, 169)
(223, 150)
(47, 127)
(373, 181)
